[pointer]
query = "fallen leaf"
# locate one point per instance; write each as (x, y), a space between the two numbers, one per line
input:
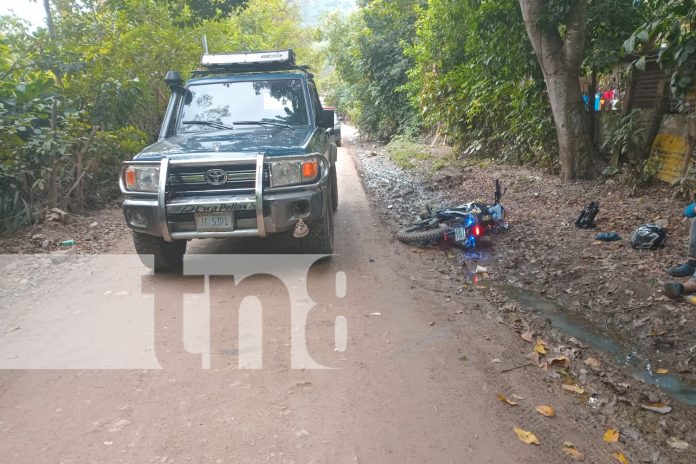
(526, 437)
(504, 399)
(496, 361)
(569, 449)
(619, 457)
(527, 336)
(547, 411)
(678, 444)
(573, 388)
(662, 371)
(540, 346)
(559, 361)
(611, 436)
(659, 408)
(593, 363)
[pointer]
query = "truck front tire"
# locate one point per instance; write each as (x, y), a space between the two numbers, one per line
(320, 240)
(167, 255)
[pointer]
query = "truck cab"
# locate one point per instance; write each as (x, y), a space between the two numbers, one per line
(245, 150)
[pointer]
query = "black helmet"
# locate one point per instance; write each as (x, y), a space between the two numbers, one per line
(648, 237)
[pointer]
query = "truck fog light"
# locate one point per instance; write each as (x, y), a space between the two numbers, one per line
(137, 218)
(299, 209)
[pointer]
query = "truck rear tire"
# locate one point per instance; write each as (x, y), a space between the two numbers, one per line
(320, 240)
(167, 255)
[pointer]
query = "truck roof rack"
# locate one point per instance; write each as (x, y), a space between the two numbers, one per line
(275, 60)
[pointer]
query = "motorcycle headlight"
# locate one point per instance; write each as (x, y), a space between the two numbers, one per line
(291, 172)
(138, 178)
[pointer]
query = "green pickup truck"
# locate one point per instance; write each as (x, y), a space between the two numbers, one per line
(245, 150)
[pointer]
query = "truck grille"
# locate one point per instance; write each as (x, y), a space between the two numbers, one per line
(191, 179)
(186, 181)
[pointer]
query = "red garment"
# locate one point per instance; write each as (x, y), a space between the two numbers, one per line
(608, 95)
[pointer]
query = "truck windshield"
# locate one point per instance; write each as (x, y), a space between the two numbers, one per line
(211, 106)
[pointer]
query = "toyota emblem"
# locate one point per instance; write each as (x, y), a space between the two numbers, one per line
(216, 177)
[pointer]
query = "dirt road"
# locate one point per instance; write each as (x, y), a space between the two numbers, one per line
(416, 381)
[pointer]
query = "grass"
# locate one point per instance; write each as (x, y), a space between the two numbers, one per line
(406, 152)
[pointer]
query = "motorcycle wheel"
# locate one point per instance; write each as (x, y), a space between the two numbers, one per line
(423, 232)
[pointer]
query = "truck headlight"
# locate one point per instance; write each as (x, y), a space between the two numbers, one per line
(138, 178)
(290, 172)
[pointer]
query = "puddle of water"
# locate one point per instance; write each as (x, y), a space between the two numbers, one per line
(622, 351)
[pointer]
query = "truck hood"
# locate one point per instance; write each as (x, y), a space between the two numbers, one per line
(273, 141)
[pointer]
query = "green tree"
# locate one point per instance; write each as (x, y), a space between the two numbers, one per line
(367, 50)
(556, 30)
(76, 101)
(476, 79)
(669, 35)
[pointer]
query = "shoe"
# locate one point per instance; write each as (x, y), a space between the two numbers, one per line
(682, 270)
(673, 290)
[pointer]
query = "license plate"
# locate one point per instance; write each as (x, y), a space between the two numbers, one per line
(460, 234)
(214, 222)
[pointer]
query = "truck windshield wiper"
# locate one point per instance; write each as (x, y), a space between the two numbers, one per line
(214, 124)
(264, 123)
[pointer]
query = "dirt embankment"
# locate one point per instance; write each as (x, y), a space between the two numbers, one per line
(593, 300)
(90, 233)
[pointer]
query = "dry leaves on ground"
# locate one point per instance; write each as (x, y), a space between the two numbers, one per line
(569, 449)
(526, 437)
(504, 399)
(541, 347)
(611, 436)
(619, 456)
(660, 408)
(573, 388)
(561, 360)
(547, 411)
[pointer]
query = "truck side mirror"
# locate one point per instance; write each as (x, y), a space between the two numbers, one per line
(173, 80)
(327, 119)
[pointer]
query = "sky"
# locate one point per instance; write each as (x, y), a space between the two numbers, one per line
(25, 9)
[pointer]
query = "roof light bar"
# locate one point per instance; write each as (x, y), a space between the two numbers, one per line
(280, 57)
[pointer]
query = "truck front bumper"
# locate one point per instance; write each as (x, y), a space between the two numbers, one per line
(255, 214)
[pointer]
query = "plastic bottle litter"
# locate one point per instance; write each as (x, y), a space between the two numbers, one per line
(68, 243)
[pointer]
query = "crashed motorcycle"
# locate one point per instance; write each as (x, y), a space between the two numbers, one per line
(464, 225)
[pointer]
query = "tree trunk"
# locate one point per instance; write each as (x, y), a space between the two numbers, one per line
(52, 35)
(560, 59)
(52, 194)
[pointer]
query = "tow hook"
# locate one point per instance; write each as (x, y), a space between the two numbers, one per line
(301, 229)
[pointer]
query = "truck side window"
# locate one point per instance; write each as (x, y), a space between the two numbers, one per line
(315, 102)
